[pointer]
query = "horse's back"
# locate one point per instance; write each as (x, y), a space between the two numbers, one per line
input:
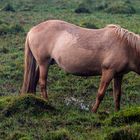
(77, 50)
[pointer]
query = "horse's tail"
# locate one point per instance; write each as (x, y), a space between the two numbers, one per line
(31, 71)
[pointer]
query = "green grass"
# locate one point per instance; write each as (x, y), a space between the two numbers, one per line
(67, 113)
(31, 117)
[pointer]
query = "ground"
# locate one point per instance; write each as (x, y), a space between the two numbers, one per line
(66, 115)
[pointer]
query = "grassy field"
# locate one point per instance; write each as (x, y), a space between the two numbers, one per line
(66, 116)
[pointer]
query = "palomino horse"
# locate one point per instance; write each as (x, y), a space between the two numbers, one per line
(110, 52)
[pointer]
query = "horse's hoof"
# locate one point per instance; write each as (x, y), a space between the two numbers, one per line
(44, 96)
(94, 111)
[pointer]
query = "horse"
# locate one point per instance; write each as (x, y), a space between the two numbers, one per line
(111, 52)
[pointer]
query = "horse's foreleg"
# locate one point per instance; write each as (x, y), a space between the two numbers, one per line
(117, 92)
(107, 76)
(43, 72)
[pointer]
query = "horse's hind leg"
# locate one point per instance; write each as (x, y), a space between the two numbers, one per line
(43, 72)
(36, 78)
(107, 76)
(117, 91)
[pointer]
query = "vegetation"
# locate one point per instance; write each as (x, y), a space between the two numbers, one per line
(128, 116)
(8, 7)
(125, 133)
(117, 7)
(34, 118)
(66, 115)
(10, 29)
(120, 7)
(88, 25)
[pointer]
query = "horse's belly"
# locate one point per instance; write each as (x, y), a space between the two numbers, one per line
(78, 62)
(80, 68)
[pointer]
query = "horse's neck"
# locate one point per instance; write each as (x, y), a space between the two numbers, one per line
(133, 58)
(136, 60)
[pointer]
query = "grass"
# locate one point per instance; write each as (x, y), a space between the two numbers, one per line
(67, 113)
(120, 7)
(31, 117)
(125, 133)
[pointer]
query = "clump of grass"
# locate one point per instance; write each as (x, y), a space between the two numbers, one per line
(10, 29)
(29, 105)
(127, 116)
(125, 133)
(120, 7)
(4, 50)
(4, 29)
(16, 28)
(61, 134)
(4, 102)
(8, 7)
(84, 7)
(117, 7)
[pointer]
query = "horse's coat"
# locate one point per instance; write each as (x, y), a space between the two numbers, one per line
(111, 52)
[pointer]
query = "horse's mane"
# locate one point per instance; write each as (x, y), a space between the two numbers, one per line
(132, 39)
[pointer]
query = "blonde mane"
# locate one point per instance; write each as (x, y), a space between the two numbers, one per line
(132, 39)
